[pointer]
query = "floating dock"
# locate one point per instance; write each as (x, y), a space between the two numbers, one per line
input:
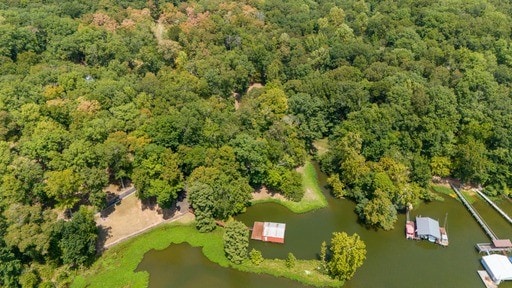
(486, 279)
(497, 246)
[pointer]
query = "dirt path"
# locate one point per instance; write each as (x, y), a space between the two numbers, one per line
(237, 98)
(159, 30)
(253, 86)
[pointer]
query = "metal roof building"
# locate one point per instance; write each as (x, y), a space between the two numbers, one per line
(428, 228)
(268, 232)
(498, 267)
(502, 243)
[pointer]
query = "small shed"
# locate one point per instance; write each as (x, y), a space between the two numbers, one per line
(428, 228)
(268, 232)
(499, 267)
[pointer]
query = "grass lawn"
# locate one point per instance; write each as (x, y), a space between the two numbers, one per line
(444, 190)
(115, 268)
(470, 196)
(313, 198)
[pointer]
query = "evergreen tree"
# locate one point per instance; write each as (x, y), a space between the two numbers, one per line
(236, 241)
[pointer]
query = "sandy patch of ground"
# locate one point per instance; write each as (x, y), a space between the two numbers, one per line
(263, 193)
(131, 216)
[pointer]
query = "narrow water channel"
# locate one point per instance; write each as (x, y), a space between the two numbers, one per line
(392, 261)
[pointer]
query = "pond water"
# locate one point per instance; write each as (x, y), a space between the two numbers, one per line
(392, 261)
(184, 266)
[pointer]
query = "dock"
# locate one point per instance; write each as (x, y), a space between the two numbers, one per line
(444, 237)
(502, 246)
(410, 231)
(489, 248)
(475, 214)
(495, 206)
(486, 279)
(410, 228)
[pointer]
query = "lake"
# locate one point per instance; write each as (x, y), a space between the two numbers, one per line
(392, 261)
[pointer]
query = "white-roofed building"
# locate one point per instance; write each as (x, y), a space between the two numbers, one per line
(498, 267)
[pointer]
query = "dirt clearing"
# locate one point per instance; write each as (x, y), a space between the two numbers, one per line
(131, 216)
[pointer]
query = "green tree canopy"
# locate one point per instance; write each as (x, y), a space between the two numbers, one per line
(212, 190)
(157, 174)
(347, 254)
(77, 238)
(10, 267)
(29, 229)
(236, 241)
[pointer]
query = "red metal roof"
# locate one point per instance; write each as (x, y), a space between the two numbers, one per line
(502, 243)
(268, 232)
(257, 231)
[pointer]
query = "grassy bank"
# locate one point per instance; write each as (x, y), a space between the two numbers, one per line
(313, 197)
(115, 268)
(304, 271)
(444, 190)
(468, 195)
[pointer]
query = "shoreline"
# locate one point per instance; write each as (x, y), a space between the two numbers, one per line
(129, 253)
(313, 198)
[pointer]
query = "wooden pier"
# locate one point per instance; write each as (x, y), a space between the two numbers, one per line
(495, 206)
(486, 279)
(489, 248)
(475, 214)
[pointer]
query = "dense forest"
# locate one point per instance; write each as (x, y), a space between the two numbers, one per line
(157, 92)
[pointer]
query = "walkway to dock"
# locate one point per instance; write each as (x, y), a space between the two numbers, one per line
(490, 248)
(495, 206)
(475, 214)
